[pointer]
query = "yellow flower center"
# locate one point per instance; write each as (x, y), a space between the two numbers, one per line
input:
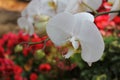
(52, 4)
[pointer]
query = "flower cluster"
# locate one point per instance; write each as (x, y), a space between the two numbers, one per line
(66, 21)
(20, 59)
(32, 62)
(106, 23)
(66, 27)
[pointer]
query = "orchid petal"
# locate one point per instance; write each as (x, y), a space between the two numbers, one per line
(37, 7)
(31, 29)
(22, 22)
(72, 6)
(85, 16)
(69, 53)
(59, 28)
(91, 41)
(33, 7)
(24, 13)
(45, 9)
(82, 17)
(27, 13)
(89, 64)
(111, 1)
(94, 4)
(61, 5)
(74, 42)
(116, 6)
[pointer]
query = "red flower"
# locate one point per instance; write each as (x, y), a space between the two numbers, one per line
(44, 67)
(22, 37)
(17, 70)
(5, 37)
(64, 66)
(107, 5)
(26, 51)
(104, 7)
(44, 37)
(1, 42)
(6, 67)
(8, 78)
(33, 76)
(117, 20)
(35, 36)
(8, 51)
(1, 52)
(103, 21)
(48, 43)
(18, 77)
(10, 39)
(61, 65)
(11, 43)
(37, 46)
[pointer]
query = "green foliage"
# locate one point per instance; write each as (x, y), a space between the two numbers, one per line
(49, 64)
(108, 68)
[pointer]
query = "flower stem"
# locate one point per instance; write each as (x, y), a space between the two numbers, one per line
(34, 43)
(89, 7)
(102, 13)
(31, 43)
(45, 41)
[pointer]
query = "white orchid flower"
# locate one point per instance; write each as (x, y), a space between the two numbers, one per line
(36, 9)
(77, 28)
(76, 6)
(25, 24)
(26, 20)
(116, 6)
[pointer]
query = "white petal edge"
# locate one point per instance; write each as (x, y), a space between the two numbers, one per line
(59, 28)
(111, 1)
(31, 29)
(61, 5)
(69, 53)
(22, 22)
(116, 6)
(32, 8)
(74, 42)
(85, 16)
(71, 5)
(91, 42)
(81, 17)
(95, 4)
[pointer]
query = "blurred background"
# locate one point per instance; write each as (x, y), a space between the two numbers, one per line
(9, 13)
(31, 63)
